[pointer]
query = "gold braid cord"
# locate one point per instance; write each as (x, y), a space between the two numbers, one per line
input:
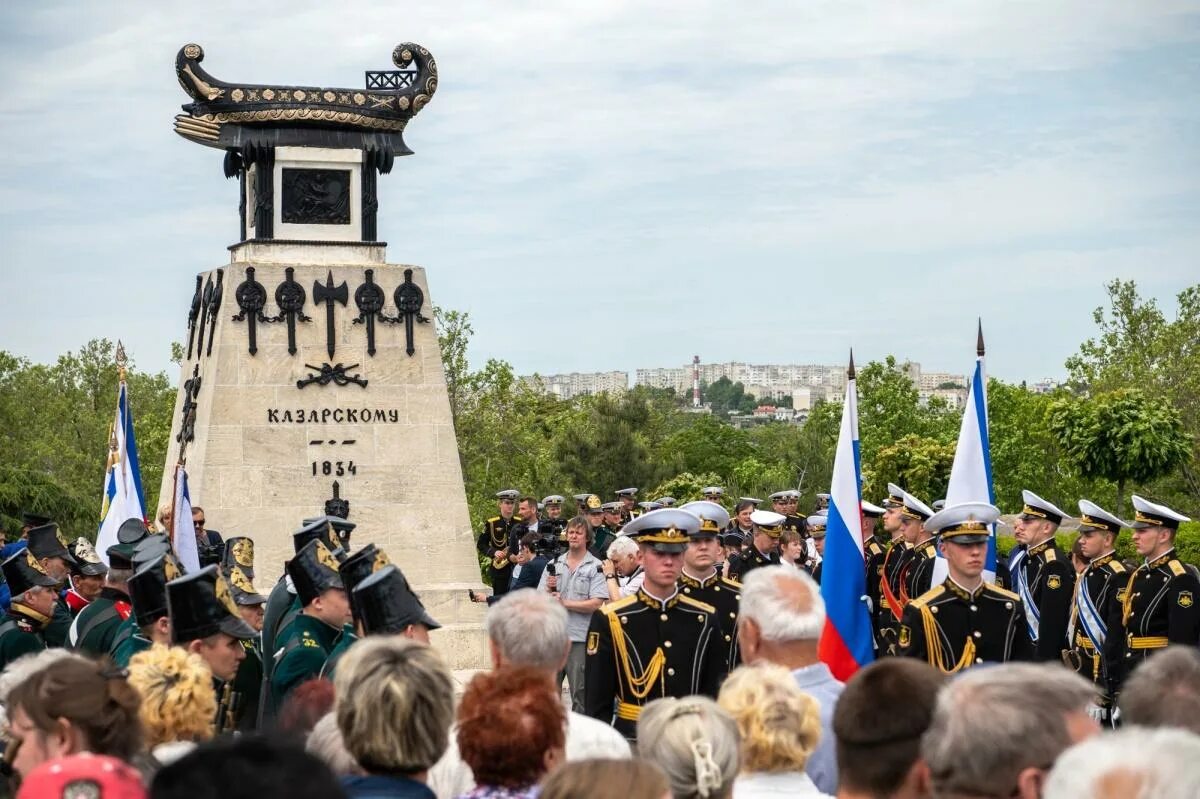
(1127, 602)
(933, 645)
(641, 686)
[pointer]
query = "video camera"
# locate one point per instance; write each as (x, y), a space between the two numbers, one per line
(549, 545)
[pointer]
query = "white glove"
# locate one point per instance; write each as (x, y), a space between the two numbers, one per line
(1095, 711)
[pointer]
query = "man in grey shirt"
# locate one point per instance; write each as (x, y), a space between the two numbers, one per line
(576, 579)
(780, 621)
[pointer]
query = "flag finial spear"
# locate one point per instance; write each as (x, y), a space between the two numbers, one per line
(979, 339)
(121, 360)
(850, 371)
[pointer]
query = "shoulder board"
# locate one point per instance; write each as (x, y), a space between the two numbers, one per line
(1117, 566)
(1051, 554)
(732, 583)
(1176, 567)
(620, 604)
(697, 604)
(929, 596)
(1002, 592)
(874, 548)
(493, 519)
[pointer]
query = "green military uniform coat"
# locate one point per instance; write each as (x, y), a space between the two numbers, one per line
(97, 624)
(127, 642)
(247, 684)
(19, 634)
(55, 633)
(344, 641)
(305, 647)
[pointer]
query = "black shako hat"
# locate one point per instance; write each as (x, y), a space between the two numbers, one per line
(341, 528)
(201, 605)
(148, 588)
(358, 567)
(131, 531)
(23, 571)
(31, 519)
(386, 604)
(239, 551)
(87, 562)
(149, 548)
(242, 586)
(47, 541)
(120, 556)
(320, 529)
(314, 571)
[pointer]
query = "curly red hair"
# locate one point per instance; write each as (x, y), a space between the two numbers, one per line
(508, 719)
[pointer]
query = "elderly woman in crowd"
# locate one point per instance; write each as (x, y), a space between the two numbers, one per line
(511, 731)
(779, 725)
(72, 705)
(179, 703)
(694, 742)
(325, 743)
(606, 779)
(395, 705)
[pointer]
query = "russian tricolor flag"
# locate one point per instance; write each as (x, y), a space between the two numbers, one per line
(846, 643)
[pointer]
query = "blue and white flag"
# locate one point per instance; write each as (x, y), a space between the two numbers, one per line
(971, 474)
(183, 533)
(123, 497)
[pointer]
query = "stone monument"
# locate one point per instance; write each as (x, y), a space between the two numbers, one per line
(312, 381)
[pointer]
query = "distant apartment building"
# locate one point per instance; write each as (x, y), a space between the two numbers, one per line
(929, 381)
(576, 384)
(1043, 386)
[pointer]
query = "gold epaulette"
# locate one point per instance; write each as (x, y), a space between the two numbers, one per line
(1176, 567)
(927, 597)
(1051, 554)
(874, 548)
(493, 519)
(696, 603)
(1117, 566)
(732, 583)
(1001, 591)
(619, 604)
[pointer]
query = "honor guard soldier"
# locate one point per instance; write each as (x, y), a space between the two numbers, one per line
(353, 570)
(87, 576)
(206, 622)
(494, 540)
(1096, 608)
(874, 552)
(701, 580)
(964, 621)
(903, 517)
(325, 609)
(94, 630)
(387, 605)
(1158, 603)
(50, 548)
(1042, 575)
(713, 493)
(341, 532)
(33, 599)
(666, 502)
(149, 623)
(655, 643)
(767, 527)
(627, 497)
(816, 529)
(822, 505)
(781, 503)
(237, 567)
(553, 517)
(922, 552)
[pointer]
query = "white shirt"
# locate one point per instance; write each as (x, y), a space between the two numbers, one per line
(587, 739)
(754, 784)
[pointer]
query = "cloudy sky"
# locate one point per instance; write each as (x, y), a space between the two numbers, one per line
(608, 185)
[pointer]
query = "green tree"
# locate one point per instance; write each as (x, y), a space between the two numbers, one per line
(685, 486)
(920, 464)
(604, 450)
(454, 334)
(1121, 436)
(708, 445)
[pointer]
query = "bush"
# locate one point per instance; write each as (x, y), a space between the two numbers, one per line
(1187, 544)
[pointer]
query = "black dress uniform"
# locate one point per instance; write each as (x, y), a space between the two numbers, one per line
(20, 631)
(1042, 575)
(725, 596)
(953, 628)
(920, 570)
(642, 648)
(495, 536)
(875, 554)
(1158, 608)
(892, 594)
(245, 689)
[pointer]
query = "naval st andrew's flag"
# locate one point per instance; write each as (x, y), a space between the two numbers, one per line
(123, 497)
(846, 643)
(183, 533)
(971, 473)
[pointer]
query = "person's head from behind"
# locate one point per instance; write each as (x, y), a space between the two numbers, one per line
(996, 731)
(325, 741)
(72, 705)
(1164, 691)
(1132, 763)
(878, 748)
(395, 705)
(779, 724)
(305, 706)
(606, 779)
(511, 727)
(694, 742)
(246, 767)
(781, 617)
(178, 700)
(528, 628)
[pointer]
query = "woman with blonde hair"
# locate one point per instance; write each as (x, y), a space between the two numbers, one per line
(694, 742)
(179, 703)
(779, 725)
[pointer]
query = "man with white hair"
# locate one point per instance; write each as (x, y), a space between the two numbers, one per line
(1134, 762)
(623, 573)
(1165, 691)
(781, 620)
(997, 731)
(528, 628)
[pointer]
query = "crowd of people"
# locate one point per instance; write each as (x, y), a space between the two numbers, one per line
(686, 637)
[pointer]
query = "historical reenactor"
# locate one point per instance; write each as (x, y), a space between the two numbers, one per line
(95, 629)
(149, 623)
(325, 609)
(965, 621)
(627, 497)
(50, 548)
(1158, 602)
(342, 529)
(385, 604)
(713, 493)
(902, 519)
(874, 553)
(353, 570)
(1042, 575)
(767, 527)
(237, 567)
(700, 579)
(1096, 608)
(87, 576)
(206, 621)
(553, 517)
(816, 529)
(33, 599)
(655, 643)
(495, 538)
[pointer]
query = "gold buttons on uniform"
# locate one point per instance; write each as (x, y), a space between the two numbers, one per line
(671, 672)
(727, 638)
(663, 617)
(732, 615)
(933, 610)
(624, 620)
(718, 588)
(667, 644)
(1008, 605)
(977, 634)
(700, 617)
(974, 608)
(978, 660)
